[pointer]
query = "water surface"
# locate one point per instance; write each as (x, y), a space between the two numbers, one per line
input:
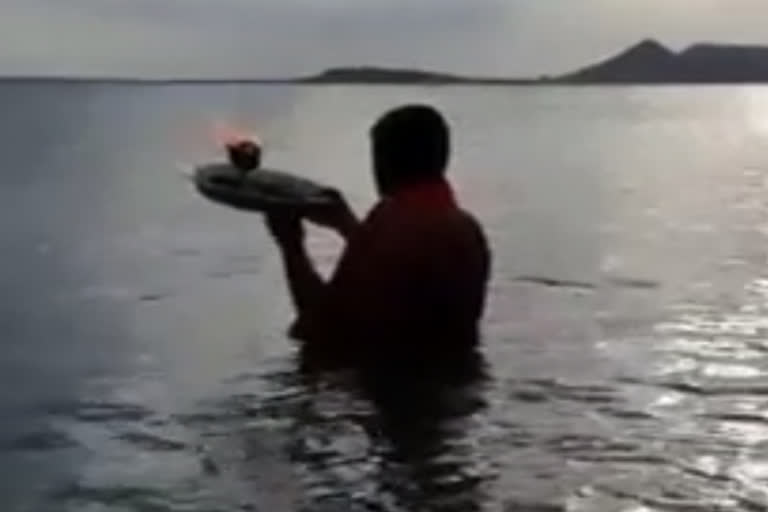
(145, 365)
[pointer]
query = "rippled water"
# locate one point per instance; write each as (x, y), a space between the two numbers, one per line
(145, 366)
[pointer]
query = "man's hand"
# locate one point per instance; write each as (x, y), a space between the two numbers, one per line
(336, 215)
(286, 229)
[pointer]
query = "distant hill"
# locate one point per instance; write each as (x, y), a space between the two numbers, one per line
(652, 62)
(382, 75)
(646, 62)
(718, 63)
(378, 75)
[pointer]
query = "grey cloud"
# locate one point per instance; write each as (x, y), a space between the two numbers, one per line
(288, 37)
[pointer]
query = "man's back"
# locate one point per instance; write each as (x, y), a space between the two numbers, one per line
(413, 278)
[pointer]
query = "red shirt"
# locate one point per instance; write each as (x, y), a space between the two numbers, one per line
(413, 277)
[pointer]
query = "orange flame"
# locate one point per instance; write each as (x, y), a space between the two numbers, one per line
(225, 134)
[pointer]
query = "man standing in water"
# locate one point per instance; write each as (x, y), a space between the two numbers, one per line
(412, 280)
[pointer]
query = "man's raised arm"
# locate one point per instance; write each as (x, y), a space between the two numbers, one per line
(309, 292)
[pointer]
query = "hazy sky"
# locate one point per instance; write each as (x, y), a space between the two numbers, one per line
(286, 37)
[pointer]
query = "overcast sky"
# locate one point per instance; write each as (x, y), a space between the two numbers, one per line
(286, 37)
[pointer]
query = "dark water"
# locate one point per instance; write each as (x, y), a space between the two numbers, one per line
(144, 365)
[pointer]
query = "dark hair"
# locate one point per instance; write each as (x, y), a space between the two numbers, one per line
(410, 143)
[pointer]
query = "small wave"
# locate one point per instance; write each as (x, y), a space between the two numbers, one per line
(575, 442)
(153, 297)
(43, 441)
(736, 417)
(640, 284)
(136, 498)
(679, 504)
(554, 283)
(532, 507)
(703, 390)
(227, 274)
(622, 458)
(123, 295)
(587, 393)
(95, 411)
(542, 390)
(703, 474)
(152, 442)
(749, 505)
(587, 448)
(198, 418)
(626, 414)
(532, 396)
(618, 282)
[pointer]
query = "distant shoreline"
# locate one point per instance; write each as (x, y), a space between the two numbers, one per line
(646, 63)
(248, 81)
(304, 83)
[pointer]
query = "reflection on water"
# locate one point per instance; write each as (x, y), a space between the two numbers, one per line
(145, 365)
(290, 440)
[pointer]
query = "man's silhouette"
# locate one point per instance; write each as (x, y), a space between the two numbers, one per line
(412, 280)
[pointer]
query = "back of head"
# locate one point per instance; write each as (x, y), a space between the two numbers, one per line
(411, 144)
